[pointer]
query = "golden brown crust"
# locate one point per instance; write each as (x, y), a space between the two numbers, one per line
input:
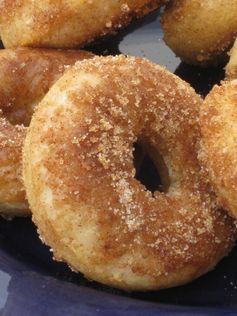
(66, 24)
(231, 68)
(81, 184)
(219, 153)
(26, 76)
(12, 192)
(200, 31)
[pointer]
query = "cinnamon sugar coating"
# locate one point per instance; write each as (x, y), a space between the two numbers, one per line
(219, 133)
(12, 192)
(80, 178)
(68, 23)
(200, 32)
(26, 76)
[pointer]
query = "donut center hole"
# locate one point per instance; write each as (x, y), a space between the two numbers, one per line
(151, 169)
(17, 116)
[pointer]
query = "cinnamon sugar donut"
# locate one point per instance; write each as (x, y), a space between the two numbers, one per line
(200, 32)
(61, 24)
(231, 68)
(12, 192)
(80, 178)
(26, 76)
(219, 133)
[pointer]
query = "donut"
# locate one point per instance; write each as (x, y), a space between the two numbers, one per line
(200, 32)
(66, 24)
(218, 147)
(26, 76)
(12, 193)
(231, 67)
(80, 178)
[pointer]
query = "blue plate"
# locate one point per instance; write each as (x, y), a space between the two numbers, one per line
(31, 283)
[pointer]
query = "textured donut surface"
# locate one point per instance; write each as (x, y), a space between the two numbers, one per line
(26, 76)
(80, 178)
(68, 23)
(219, 134)
(12, 192)
(231, 67)
(200, 31)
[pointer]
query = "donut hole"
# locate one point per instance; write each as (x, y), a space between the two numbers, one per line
(151, 169)
(17, 117)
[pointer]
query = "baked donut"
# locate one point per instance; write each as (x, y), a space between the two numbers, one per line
(26, 76)
(12, 193)
(231, 68)
(200, 32)
(80, 179)
(219, 134)
(66, 24)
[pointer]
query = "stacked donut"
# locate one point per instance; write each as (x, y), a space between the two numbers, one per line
(78, 117)
(200, 32)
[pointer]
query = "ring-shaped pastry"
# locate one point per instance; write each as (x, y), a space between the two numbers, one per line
(80, 178)
(200, 32)
(219, 135)
(68, 23)
(26, 76)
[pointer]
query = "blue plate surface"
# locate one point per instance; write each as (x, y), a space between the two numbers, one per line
(31, 283)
